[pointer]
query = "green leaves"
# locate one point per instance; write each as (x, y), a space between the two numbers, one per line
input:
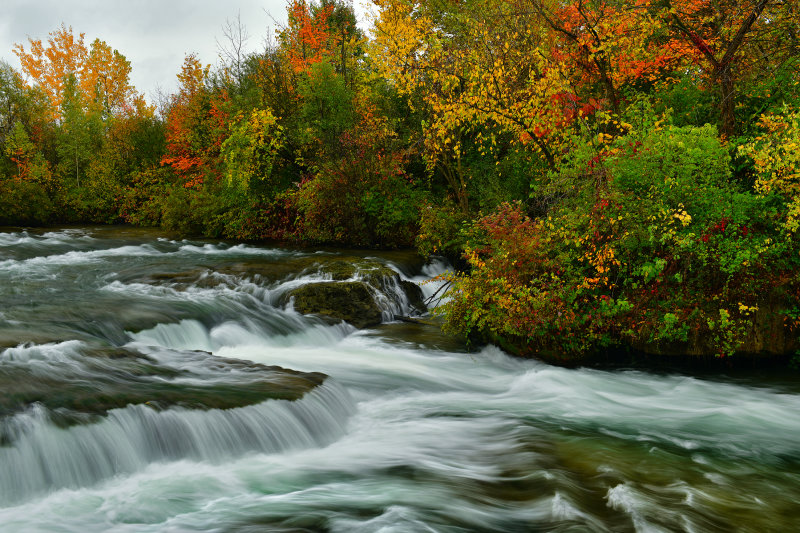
(250, 151)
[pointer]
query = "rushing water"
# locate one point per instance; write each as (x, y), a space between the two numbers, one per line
(140, 393)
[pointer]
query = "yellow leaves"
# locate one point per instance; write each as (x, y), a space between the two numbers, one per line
(604, 138)
(192, 75)
(482, 74)
(777, 160)
(682, 216)
(251, 148)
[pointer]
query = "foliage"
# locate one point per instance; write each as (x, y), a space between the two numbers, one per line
(612, 174)
(249, 152)
(777, 161)
(440, 230)
(24, 203)
(657, 246)
(101, 74)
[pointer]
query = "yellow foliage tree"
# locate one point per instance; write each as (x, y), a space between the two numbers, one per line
(777, 159)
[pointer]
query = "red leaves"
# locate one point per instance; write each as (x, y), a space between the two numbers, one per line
(721, 227)
(197, 125)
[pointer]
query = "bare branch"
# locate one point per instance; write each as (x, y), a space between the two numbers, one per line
(232, 49)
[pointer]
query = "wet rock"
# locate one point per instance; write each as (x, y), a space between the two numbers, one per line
(415, 296)
(359, 289)
(114, 378)
(350, 301)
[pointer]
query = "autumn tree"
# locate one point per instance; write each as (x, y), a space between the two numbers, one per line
(306, 37)
(197, 124)
(477, 70)
(732, 38)
(101, 73)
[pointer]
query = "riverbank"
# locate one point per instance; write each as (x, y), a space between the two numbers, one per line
(409, 430)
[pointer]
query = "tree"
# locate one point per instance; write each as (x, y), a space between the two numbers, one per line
(197, 124)
(306, 38)
(75, 139)
(20, 149)
(732, 37)
(101, 74)
(250, 151)
(232, 49)
(475, 70)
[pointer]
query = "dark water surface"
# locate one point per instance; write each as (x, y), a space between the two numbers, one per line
(140, 391)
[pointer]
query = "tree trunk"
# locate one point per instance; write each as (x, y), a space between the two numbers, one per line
(727, 103)
(722, 66)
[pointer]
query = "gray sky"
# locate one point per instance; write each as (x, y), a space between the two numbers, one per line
(154, 35)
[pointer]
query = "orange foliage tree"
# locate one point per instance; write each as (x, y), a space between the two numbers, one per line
(306, 37)
(197, 125)
(102, 74)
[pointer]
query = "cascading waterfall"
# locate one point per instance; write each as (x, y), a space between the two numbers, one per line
(144, 388)
(40, 456)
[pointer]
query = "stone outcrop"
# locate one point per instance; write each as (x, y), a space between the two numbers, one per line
(361, 292)
(351, 301)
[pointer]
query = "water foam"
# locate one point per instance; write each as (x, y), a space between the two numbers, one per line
(41, 456)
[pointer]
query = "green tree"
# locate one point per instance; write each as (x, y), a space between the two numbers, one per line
(77, 134)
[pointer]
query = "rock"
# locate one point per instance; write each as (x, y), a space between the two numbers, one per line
(359, 291)
(354, 294)
(415, 296)
(120, 377)
(350, 301)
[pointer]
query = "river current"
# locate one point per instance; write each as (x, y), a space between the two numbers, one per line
(139, 392)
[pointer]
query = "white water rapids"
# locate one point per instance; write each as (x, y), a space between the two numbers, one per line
(410, 432)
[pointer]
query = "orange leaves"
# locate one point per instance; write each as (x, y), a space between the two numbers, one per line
(307, 37)
(612, 44)
(102, 73)
(49, 65)
(105, 79)
(197, 124)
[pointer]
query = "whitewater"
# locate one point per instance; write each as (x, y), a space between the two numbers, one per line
(154, 384)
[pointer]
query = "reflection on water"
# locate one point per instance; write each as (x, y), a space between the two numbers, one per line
(142, 392)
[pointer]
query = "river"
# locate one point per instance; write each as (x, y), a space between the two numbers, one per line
(140, 393)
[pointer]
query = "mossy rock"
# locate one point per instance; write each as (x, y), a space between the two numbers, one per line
(415, 297)
(339, 268)
(350, 301)
(121, 377)
(367, 270)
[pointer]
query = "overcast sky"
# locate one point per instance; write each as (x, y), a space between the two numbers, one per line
(154, 35)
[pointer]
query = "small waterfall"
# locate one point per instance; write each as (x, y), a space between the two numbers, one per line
(392, 299)
(39, 456)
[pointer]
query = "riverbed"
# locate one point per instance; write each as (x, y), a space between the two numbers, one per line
(154, 384)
